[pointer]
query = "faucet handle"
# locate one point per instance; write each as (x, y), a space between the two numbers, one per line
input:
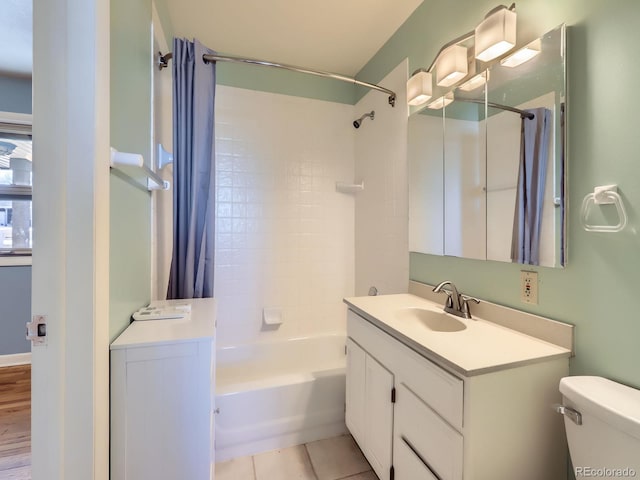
(466, 298)
(464, 304)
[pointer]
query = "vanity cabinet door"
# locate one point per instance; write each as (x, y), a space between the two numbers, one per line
(379, 417)
(355, 397)
(369, 411)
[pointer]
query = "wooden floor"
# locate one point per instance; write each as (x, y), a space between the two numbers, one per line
(15, 423)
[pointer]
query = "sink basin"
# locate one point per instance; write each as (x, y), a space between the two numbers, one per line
(436, 321)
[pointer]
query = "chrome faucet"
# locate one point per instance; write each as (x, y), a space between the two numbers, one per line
(453, 297)
(456, 303)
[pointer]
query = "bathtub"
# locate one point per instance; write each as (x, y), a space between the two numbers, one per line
(278, 394)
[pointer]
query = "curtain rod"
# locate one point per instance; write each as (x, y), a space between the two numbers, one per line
(163, 61)
(499, 106)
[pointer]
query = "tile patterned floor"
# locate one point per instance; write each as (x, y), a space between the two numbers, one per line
(337, 458)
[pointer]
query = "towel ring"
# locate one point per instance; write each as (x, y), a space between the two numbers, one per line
(604, 195)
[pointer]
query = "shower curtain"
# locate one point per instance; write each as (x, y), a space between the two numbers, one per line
(534, 152)
(194, 84)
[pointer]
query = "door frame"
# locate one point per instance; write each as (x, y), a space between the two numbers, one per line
(70, 282)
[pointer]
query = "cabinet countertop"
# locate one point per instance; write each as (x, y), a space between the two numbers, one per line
(198, 325)
(481, 347)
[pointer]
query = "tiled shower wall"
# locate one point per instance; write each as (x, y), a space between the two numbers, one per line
(284, 236)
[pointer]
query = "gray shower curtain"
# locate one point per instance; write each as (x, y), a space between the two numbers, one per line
(534, 152)
(194, 85)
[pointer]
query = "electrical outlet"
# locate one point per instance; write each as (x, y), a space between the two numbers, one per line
(529, 287)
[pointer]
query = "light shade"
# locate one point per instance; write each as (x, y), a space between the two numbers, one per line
(496, 35)
(441, 102)
(451, 66)
(475, 82)
(419, 88)
(523, 55)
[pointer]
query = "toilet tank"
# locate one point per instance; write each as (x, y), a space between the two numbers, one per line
(607, 444)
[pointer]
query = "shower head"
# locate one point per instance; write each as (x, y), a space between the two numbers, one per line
(358, 122)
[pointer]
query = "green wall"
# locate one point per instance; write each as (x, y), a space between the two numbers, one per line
(598, 290)
(288, 83)
(130, 262)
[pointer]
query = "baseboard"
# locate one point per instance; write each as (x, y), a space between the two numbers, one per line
(15, 359)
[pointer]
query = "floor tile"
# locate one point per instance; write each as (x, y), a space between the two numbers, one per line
(236, 469)
(363, 476)
(336, 458)
(286, 464)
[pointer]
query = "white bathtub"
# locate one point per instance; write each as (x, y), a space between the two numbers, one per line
(278, 394)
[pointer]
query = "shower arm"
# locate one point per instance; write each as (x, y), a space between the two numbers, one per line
(163, 61)
(371, 115)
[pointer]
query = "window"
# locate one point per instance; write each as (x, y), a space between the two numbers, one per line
(16, 235)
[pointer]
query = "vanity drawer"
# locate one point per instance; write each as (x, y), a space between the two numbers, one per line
(434, 441)
(407, 464)
(439, 389)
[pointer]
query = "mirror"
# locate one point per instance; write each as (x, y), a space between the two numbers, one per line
(465, 200)
(426, 182)
(474, 192)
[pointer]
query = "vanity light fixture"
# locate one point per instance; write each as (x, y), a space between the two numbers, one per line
(441, 102)
(492, 38)
(451, 65)
(475, 82)
(419, 87)
(496, 34)
(523, 55)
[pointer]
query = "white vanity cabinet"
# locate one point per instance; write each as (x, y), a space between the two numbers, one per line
(369, 390)
(162, 391)
(491, 425)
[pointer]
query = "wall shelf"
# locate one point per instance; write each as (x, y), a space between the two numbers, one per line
(344, 187)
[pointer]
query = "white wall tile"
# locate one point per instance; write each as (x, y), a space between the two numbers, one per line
(284, 237)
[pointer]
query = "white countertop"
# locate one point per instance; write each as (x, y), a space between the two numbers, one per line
(480, 348)
(197, 325)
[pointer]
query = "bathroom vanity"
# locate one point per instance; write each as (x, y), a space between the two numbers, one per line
(162, 392)
(437, 397)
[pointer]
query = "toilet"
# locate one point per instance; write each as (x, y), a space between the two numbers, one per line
(602, 421)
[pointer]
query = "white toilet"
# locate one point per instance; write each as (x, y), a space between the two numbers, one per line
(602, 420)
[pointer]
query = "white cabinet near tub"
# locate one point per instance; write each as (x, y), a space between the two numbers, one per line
(355, 401)
(452, 418)
(162, 381)
(369, 391)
